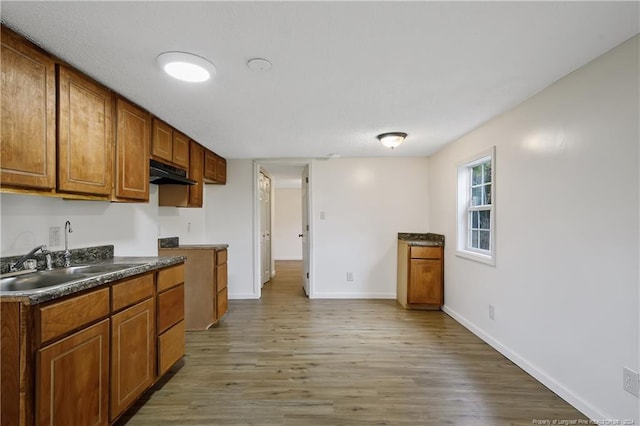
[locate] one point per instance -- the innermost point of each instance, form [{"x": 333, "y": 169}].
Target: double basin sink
[{"x": 44, "y": 279}]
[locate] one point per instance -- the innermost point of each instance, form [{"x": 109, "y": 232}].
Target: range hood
[{"x": 163, "y": 174}]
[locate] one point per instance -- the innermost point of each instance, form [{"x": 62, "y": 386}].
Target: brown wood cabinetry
[
  {"x": 72, "y": 383},
  {"x": 181, "y": 149},
  {"x": 84, "y": 359},
  {"x": 205, "y": 291},
  {"x": 85, "y": 134},
  {"x": 132, "y": 342},
  {"x": 170, "y": 317},
  {"x": 186, "y": 195},
  {"x": 215, "y": 168},
  {"x": 169, "y": 145},
  {"x": 420, "y": 282},
  {"x": 28, "y": 115},
  {"x": 133, "y": 136},
  {"x": 196, "y": 160}
]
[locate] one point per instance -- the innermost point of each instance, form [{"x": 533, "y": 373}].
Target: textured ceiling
[{"x": 342, "y": 71}]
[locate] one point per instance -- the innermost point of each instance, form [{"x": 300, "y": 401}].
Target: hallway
[{"x": 288, "y": 360}]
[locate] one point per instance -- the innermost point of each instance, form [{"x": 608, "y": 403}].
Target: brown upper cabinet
[
  {"x": 195, "y": 173},
  {"x": 28, "y": 116},
  {"x": 215, "y": 168},
  {"x": 186, "y": 195},
  {"x": 133, "y": 136},
  {"x": 169, "y": 145},
  {"x": 85, "y": 134}
]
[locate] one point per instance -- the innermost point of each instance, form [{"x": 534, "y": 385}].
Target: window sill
[{"x": 477, "y": 257}]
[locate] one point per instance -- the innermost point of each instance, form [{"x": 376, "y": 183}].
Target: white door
[
  {"x": 265, "y": 227},
  {"x": 306, "y": 253}
]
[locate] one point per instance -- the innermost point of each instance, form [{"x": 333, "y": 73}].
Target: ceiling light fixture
[
  {"x": 392, "y": 139},
  {"x": 186, "y": 66}
]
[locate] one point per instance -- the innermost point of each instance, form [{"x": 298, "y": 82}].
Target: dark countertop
[
  {"x": 197, "y": 246},
  {"x": 417, "y": 239},
  {"x": 53, "y": 292}
]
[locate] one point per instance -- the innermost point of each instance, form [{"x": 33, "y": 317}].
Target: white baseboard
[
  {"x": 540, "y": 375},
  {"x": 354, "y": 296},
  {"x": 243, "y": 296}
]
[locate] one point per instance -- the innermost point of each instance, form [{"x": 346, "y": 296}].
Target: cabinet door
[
  {"x": 196, "y": 158},
  {"x": 210, "y": 165},
  {"x": 28, "y": 119},
  {"x": 221, "y": 170},
  {"x": 133, "y": 136},
  {"x": 180, "y": 150},
  {"x": 85, "y": 136},
  {"x": 425, "y": 281},
  {"x": 132, "y": 355},
  {"x": 162, "y": 140},
  {"x": 72, "y": 379}
]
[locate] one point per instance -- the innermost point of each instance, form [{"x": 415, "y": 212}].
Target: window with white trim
[{"x": 476, "y": 208}]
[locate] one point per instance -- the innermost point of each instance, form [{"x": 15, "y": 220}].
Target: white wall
[
  {"x": 366, "y": 203},
  {"x": 565, "y": 286},
  {"x": 229, "y": 219},
  {"x": 287, "y": 224},
  {"x": 133, "y": 228}
]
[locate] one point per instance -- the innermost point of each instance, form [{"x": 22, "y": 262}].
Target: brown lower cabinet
[
  {"x": 86, "y": 358},
  {"x": 205, "y": 294},
  {"x": 420, "y": 283}
]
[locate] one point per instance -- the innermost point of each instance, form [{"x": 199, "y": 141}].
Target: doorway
[{"x": 269, "y": 176}]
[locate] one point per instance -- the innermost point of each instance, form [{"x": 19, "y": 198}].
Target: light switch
[{"x": 323, "y": 215}]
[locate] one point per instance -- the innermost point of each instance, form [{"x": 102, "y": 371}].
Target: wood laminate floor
[{"x": 288, "y": 360}]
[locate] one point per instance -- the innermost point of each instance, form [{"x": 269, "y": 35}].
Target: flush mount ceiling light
[
  {"x": 186, "y": 66},
  {"x": 392, "y": 139}
]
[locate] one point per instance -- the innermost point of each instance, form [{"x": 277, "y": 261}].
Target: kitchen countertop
[
  {"x": 425, "y": 240},
  {"x": 46, "y": 294},
  {"x": 174, "y": 243},
  {"x": 198, "y": 246}
]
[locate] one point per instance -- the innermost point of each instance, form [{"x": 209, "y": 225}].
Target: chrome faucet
[
  {"x": 67, "y": 253},
  {"x": 14, "y": 267}
]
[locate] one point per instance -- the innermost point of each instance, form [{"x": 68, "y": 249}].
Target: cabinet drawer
[
  {"x": 221, "y": 257},
  {"x": 170, "y": 347},
  {"x": 131, "y": 291},
  {"x": 59, "y": 318},
  {"x": 221, "y": 277},
  {"x": 170, "y": 307},
  {"x": 221, "y": 302},
  {"x": 426, "y": 252},
  {"x": 170, "y": 277}
]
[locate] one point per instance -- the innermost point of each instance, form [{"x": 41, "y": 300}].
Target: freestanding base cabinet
[{"x": 420, "y": 276}]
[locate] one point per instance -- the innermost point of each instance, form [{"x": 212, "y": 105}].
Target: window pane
[
  {"x": 487, "y": 194},
  {"x": 474, "y": 239},
  {"x": 484, "y": 240},
  {"x": 476, "y": 175},
  {"x": 474, "y": 220},
  {"x": 485, "y": 219},
  {"x": 487, "y": 171},
  {"x": 476, "y": 196}
]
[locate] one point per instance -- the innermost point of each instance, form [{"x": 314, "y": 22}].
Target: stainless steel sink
[
  {"x": 40, "y": 279},
  {"x": 43, "y": 279},
  {"x": 100, "y": 268}
]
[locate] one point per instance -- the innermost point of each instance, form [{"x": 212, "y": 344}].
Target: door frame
[{"x": 257, "y": 267}]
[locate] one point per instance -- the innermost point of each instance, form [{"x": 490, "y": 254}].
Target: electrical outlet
[
  {"x": 491, "y": 312},
  {"x": 630, "y": 381},
  {"x": 54, "y": 236},
  {"x": 349, "y": 276}
]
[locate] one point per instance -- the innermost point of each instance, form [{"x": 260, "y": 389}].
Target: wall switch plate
[
  {"x": 323, "y": 215},
  {"x": 491, "y": 312},
  {"x": 54, "y": 236},
  {"x": 630, "y": 381},
  {"x": 349, "y": 276}
]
